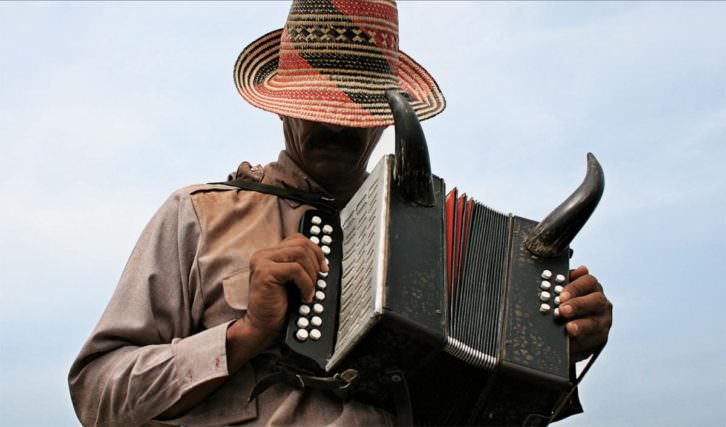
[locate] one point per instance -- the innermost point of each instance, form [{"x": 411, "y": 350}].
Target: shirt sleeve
[{"x": 147, "y": 350}]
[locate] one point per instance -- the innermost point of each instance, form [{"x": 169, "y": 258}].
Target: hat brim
[{"x": 353, "y": 99}]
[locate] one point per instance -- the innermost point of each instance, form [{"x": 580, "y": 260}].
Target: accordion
[{"x": 453, "y": 298}]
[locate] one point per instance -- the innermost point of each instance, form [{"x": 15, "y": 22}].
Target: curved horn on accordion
[
  {"x": 553, "y": 235},
  {"x": 412, "y": 169}
]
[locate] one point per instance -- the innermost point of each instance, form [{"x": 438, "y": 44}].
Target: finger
[
  {"x": 594, "y": 325},
  {"x": 296, "y": 273},
  {"x": 299, "y": 253},
  {"x": 583, "y": 285},
  {"x": 594, "y": 303},
  {"x": 314, "y": 255},
  {"x": 319, "y": 257},
  {"x": 578, "y": 272}
]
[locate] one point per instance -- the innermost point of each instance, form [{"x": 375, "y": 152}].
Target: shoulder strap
[{"x": 319, "y": 200}]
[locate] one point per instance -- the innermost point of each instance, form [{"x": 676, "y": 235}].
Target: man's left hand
[{"x": 588, "y": 311}]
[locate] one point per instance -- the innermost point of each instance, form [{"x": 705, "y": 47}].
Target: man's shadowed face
[{"x": 330, "y": 154}]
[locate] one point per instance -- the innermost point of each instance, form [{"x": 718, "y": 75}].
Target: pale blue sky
[{"x": 106, "y": 108}]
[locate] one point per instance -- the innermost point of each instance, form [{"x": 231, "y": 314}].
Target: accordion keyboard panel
[{"x": 311, "y": 328}]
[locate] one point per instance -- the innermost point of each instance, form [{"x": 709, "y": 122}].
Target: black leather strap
[
  {"x": 401, "y": 397},
  {"x": 294, "y": 378},
  {"x": 319, "y": 200}
]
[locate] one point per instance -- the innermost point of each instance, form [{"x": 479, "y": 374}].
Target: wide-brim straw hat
[{"x": 332, "y": 63}]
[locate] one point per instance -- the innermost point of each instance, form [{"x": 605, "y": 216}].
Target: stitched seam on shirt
[{"x": 203, "y": 238}]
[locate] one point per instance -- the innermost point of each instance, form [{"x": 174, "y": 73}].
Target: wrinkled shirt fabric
[{"x": 164, "y": 331}]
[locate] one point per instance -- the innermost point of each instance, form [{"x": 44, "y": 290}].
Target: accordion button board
[{"x": 312, "y": 327}]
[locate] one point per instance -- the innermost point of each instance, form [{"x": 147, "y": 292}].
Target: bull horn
[
  {"x": 553, "y": 235},
  {"x": 412, "y": 169}
]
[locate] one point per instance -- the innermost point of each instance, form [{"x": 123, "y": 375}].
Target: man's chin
[{"x": 333, "y": 172}]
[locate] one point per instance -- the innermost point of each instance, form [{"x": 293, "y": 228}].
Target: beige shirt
[{"x": 164, "y": 330}]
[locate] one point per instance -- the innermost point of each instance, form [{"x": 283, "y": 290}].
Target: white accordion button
[
  {"x": 558, "y": 289},
  {"x": 325, "y": 249},
  {"x": 301, "y": 334},
  {"x": 318, "y": 308},
  {"x": 320, "y": 295},
  {"x": 327, "y": 261},
  {"x": 544, "y": 308},
  {"x": 326, "y": 240},
  {"x": 557, "y": 312},
  {"x": 322, "y": 274},
  {"x": 327, "y": 229},
  {"x": 546, "y": 274},
  {"x": 557, "y": 300},
  {"x": 544, "y": 296},
  {"x": 314, "y": 229},
  {"x": 316, "y": 321},
  {"x": 315, "y": 240},
  {"x": 560, "y": 279},
  {"x": 322, "y": 284},
  {"x": 302, "y": 322},
  {"x": 316, "y": 220},
  {"x": 304, "y": 310},
  {"x": 315, "y": 334},
  {"x": 545, "y": 285}
]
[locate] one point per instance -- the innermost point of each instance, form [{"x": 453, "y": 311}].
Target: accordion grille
[
  {"x": 475, "y": 301},
  {"x": 363, "y": 221}
]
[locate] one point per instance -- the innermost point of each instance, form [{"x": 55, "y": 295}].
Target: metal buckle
[{"x": 346, "y": 377}]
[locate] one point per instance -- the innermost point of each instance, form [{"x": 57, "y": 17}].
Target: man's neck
[
  {"x": 341, "y": 184},
  {"x": 342, "y": 190}
]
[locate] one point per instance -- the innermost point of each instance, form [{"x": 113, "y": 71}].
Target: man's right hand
[{"x": 294, "y": 260}]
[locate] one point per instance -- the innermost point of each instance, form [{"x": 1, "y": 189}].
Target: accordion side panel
[
  {"x": 391, "y": 344},
  {"x": 364, "y": 222},
  {"x": 535, "y": 342},
  {"x": 392, "y": 295},
  {"x": 415, "y": 287}
]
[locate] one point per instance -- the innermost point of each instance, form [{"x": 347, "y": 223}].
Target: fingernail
[
  {"x": 564, "y": 296},
  {"x": 573, "y": 328},
  {"x": 565, "y": 309}
]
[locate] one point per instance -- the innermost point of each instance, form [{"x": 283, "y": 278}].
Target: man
[{"x": 203, "y": 293}]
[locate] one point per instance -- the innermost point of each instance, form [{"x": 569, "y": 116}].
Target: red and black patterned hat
[{"x": 333, "y": 62}]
